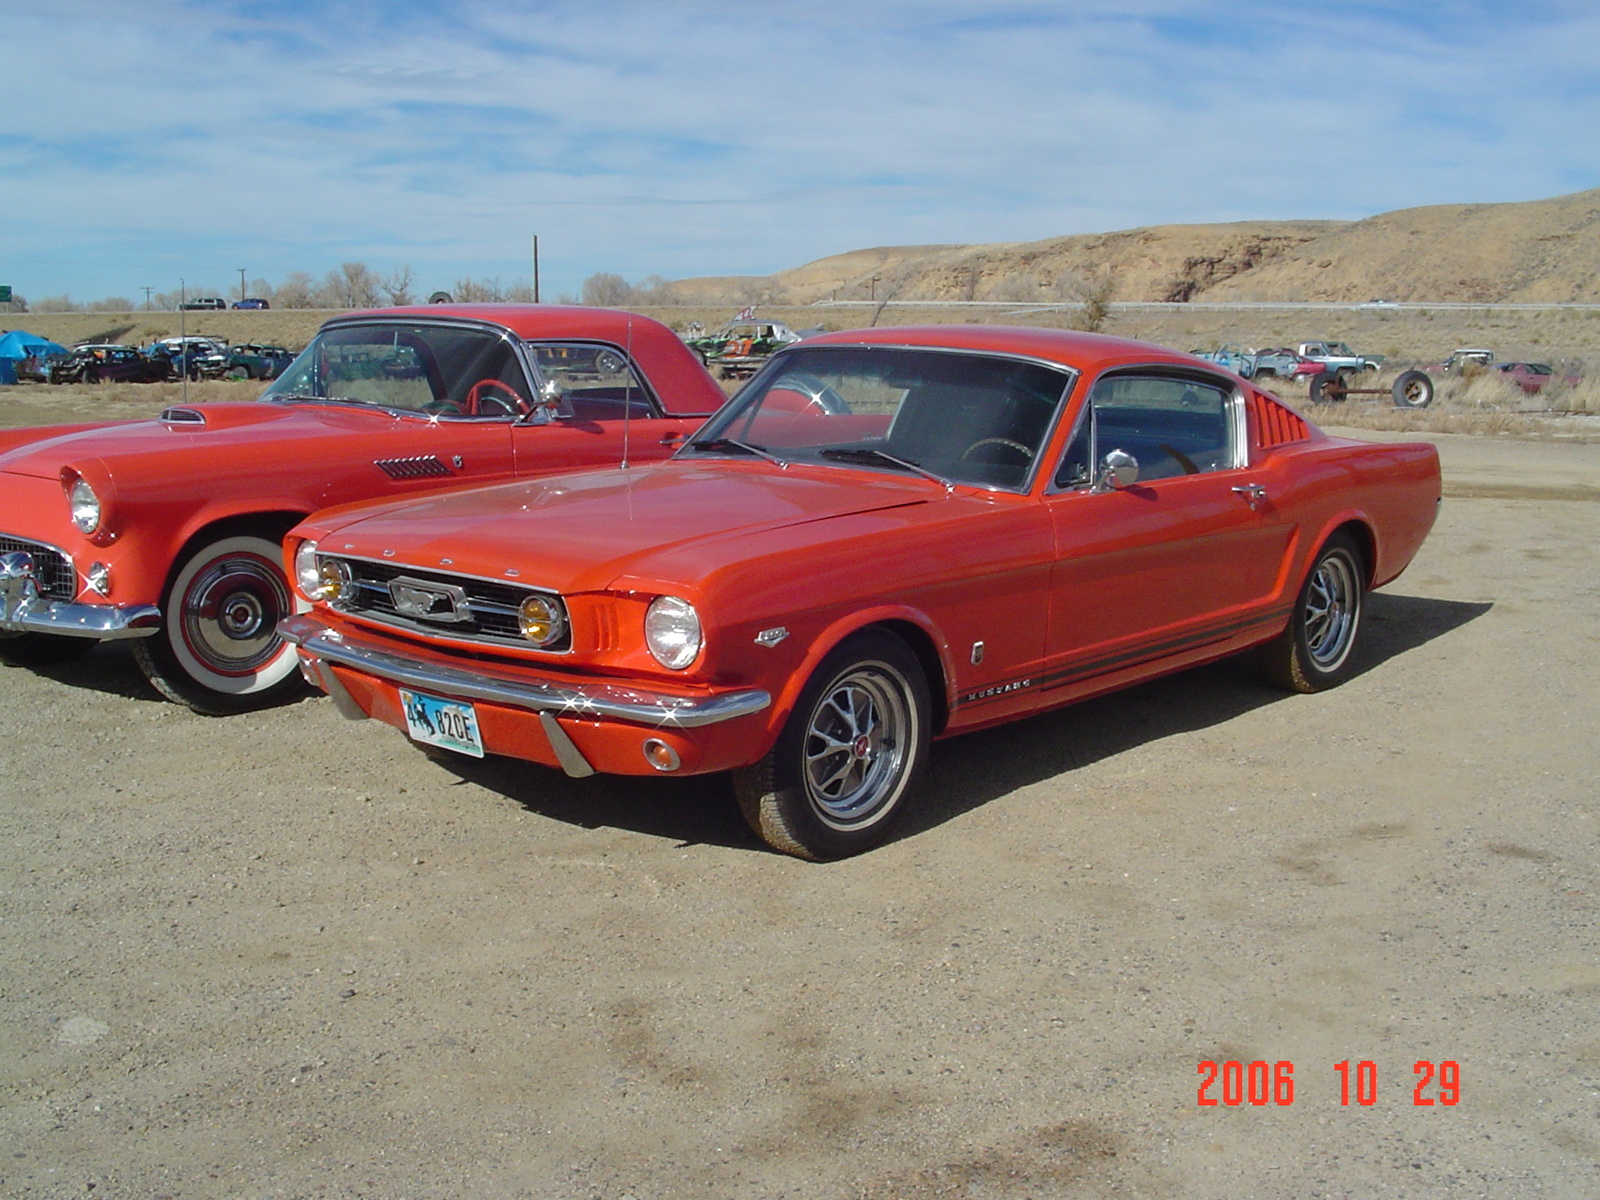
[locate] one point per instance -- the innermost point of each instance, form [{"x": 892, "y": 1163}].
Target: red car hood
[{"x": 581, "y": 532}]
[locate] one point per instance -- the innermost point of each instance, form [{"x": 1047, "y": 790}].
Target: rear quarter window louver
[{"x": 1274, "y": 424}]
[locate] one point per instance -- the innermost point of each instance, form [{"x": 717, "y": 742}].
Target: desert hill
[{"x": 1544, "y": 251}]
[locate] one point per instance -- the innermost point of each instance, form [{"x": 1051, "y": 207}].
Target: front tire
[
  {"x": 1316, "y": 651},
  {"x": 218, "y": 649},
  {"x": 848, "y": 757}
]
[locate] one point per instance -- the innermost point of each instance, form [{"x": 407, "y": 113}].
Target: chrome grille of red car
[
  {"x": 423, "y": 466},
  {"x": 491, "y": 607},
  {"x": 53, "y": 569}
]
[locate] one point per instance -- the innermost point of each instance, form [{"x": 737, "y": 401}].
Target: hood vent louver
[
  {"x": 422, "y": 466},
  {"x": 187, "y": 417}
]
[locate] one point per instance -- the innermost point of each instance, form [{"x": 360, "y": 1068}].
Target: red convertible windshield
[
  {"x": 958, "y": 416},
  {"x": 450, "y": 370}
]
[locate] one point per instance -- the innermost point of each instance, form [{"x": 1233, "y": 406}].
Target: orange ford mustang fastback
[
  {"x": 888, "y": 536},
  {"x": 169, "y": 531}
]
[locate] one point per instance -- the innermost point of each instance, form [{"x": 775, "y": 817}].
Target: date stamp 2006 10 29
[{"x": 1262, "y": 1083}]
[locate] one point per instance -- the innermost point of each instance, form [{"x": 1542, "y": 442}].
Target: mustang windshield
[
  {"x": 953, "y": 416},
  {"x": 444, "y": 369}
]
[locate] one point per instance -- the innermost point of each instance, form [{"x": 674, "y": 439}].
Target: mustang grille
[
  {"x": 490, "y": 613},
  {"x": 1276, "y": 425},
  {"x": 53, "y": 569},
  {"x": 423, "y": 466}
]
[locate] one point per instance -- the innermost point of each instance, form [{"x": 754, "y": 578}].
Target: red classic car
[
  {"x": 169, "y": 531},
  {"x": 888, "y": 536}
]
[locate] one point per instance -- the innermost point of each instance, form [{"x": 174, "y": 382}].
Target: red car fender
[{"x": 833, "y": 635}]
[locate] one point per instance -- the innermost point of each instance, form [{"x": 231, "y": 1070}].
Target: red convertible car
[
  {"x": 888, "y": 536},
  {"x": 169, "y": 531}
]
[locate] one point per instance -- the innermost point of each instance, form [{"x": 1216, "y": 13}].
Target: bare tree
[
  {"x": 605, "y": 290},
  {"x": 886, "y": 289},
  {"x": 1092, "y": 289},
  {"x": 296, "y": 291},
  {"x": 355, "y": 285},
  {"x": 473, "y": 291},
  {"x": 397, "y": 285}
]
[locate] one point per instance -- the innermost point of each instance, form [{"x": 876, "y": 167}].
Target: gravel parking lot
[{"x": 284, "y": 955}]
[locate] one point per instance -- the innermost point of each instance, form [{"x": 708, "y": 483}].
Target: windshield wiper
[
  {"x": 867, "y": 454},
  {"x": 730, "y": 444}
]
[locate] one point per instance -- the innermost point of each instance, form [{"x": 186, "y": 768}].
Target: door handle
[{"x": 1254, "y": 493}]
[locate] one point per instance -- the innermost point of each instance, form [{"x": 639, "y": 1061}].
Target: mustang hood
[{"x": 580, "y": 532}]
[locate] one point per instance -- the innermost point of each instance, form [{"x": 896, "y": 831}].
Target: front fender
[{"x": 786, "y": 692}]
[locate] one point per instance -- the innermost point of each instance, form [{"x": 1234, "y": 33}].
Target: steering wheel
[
  {"x": 1027, "y": 454},
  {"x": 475, "y": 398}
]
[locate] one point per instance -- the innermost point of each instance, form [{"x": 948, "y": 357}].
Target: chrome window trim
[{"x": 1233, "y": 409}]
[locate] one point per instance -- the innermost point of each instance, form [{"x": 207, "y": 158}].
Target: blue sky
[{"x": 144, "y": 141}]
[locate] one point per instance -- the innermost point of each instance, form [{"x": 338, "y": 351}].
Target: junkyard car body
[
  {"x": 1534, "y": 377},
  {"x": 106, "y": 363},
  {"x": 168, "y": 531},
  {"x": 739, "y": 348},
  {"x": 246, "y": 360},
  {"x": 887, "y": 535}
]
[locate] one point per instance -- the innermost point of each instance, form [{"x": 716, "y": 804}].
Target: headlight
[
  {"x": 85, "y": 505},
  {"x": 672, "y": 631},
  {"x": 320, "y": 578},
  {"x": 541, "y": 620},
  {"x": 306, "y": 577},
  {"x": 333, "y": 581}
]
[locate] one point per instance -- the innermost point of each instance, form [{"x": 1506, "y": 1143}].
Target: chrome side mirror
[
  {"x": 1118, "y": 469},
  {"x": 546, "y": 403}
]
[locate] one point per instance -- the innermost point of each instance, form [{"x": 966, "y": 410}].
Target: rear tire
[
  {"x": 218, "y": 650},
  {"x": 1316, "y": 651},
  {"x": 849, "y": 756}
]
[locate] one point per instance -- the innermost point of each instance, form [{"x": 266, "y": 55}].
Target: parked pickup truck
[{"x": 1335, "y": 358}]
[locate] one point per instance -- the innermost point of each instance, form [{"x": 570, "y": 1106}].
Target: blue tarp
[
  {"x": 21, "y": 344},
  {"x": 18, "y": 345}
]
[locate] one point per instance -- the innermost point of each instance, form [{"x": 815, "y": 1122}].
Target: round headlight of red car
[
  {"x": 672, "y": 631},
  {"x": 85, "y": 505}
]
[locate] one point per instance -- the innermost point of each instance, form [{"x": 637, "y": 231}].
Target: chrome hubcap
[
  {"x": 1332, "y": 606},
  {"x": 855, "y": 747},
  {"x": 230, "y": 614}
]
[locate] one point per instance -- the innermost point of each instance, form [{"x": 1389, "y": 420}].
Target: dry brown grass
[
  {"x": 1485, "y": 405},
  {"x": 31, "y": 404}
]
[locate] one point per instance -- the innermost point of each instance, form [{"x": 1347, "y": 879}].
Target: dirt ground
[{"x": 284, "y": 955}]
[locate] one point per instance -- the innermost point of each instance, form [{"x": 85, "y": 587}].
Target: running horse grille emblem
[{"x": 424, "y": 600}]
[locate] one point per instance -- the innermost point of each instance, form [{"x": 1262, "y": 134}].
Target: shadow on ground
[{"x": 969, "y": 771}]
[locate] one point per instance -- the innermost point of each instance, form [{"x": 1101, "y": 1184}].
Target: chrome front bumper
[
  {"x": 24, "y": 610},
  {"x": 320, "y": 645}
]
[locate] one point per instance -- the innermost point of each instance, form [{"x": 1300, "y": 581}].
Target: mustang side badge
[{"x": 771, "y": 637}]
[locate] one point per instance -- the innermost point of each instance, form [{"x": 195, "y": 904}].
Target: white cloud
[{"x": 694, "y": 138}]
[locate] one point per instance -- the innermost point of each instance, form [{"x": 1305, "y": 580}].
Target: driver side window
[{"x": 1172, "y": 425}]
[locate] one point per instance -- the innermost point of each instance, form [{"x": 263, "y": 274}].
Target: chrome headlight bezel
[
  {"x": 542, "y": 619},
  {"x": 84, "y": 504},
  {"x": 307, "y": 577},
  {"x": 672, "y": 632}
]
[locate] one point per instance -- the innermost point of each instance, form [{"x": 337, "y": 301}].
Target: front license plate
[{"x": 445, "y": 723}]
